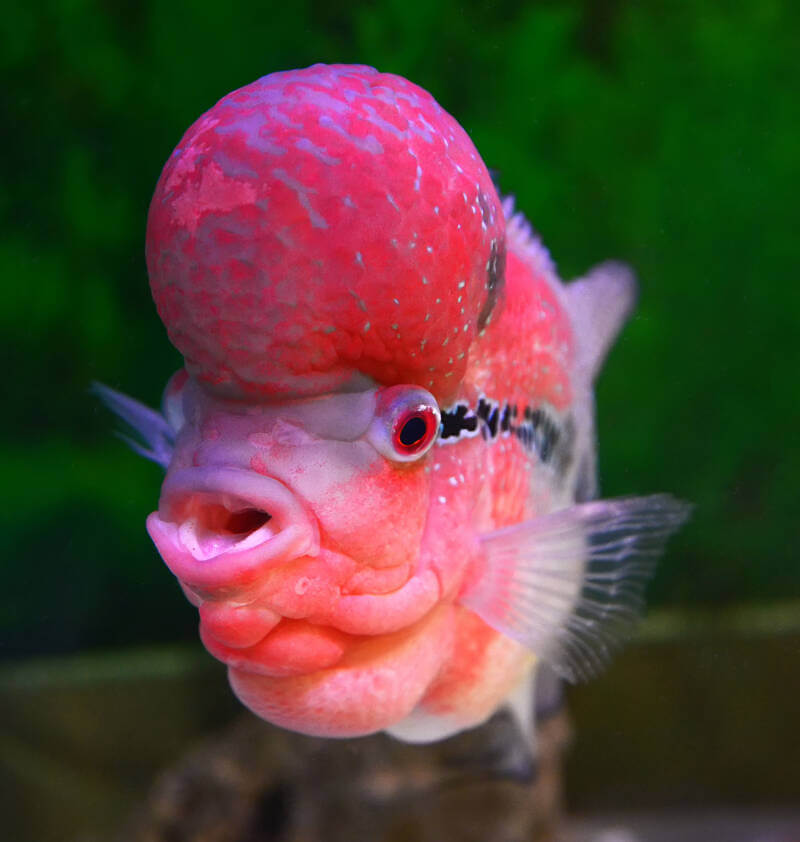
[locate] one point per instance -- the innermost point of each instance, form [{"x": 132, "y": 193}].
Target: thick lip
[{"x": 230, "y": 565}]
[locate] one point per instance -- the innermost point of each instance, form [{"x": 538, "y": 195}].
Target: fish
[{"x": 381, "y": 481}]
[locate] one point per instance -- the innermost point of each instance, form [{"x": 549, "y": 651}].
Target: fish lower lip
[
  {"x": 218, "y": 528},
  {"x": 297, "y": 647}
]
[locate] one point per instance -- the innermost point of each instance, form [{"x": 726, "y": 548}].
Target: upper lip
[{"x": 225, "y": 555}]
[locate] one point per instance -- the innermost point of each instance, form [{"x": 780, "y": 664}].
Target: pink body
[{"x": 326, "y": 246}]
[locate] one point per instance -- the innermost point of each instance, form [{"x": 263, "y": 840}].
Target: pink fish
[{"x": 380, "y": 456}]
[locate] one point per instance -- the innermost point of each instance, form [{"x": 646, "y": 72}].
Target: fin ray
[
  {"x": 151, "y": 426},
  {"x": 599, "y": 304},
  {"x": 570, "y": 585}
]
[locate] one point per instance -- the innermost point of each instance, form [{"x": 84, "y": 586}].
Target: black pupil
[{"x": 413, "y": 431}]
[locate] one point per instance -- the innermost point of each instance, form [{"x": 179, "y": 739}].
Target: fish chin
[{"x": 376, "y": 683}]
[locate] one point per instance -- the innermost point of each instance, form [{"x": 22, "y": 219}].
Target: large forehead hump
[{"x": 321, "y": 223}]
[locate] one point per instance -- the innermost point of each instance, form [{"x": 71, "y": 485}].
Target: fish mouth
[{"x": 220, "y": 529}]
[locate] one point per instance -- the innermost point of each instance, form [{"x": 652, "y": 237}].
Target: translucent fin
[
  {"x": 158, "y": 436},
  {"x": 569, "y": 585},
  {"x": 521, "y": 704},
  {"x": 599, "y": 305},
  {"x": 523, "y": 241}
]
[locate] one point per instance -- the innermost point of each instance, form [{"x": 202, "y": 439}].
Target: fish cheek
[
  {"x": 377, "y": 517},
  {"x": 367, "y": 507}
]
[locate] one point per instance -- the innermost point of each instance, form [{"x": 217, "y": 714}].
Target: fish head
[
  {"x": 299, "y": 530},
  {"x": 324, "y": 247}
]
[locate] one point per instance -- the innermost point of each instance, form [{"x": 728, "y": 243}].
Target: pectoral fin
[{"x": 569, "y": 585}]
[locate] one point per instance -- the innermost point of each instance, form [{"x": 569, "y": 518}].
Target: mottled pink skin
[
  {"x": 288, "y": 247},
  {"x": 299, "y": 208}
]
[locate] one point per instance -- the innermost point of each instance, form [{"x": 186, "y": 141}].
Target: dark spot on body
[{"x": 495, "y": 280}]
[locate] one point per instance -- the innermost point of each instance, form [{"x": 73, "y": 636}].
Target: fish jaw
[{"x": 375, "y": 685}]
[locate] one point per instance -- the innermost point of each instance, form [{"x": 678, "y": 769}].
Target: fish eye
[{"x": 406, "y": 423}]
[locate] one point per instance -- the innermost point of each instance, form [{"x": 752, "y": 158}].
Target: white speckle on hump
[
  {"x": 366, "y": 326},
  {"x": 317, "y": 220},
  {"x": 306, "y": 145},
  {"x": 429, "y": 249},
  {"x": 360, "y": 301},
  {"x": 360, "y": 260},
  {"x": 428, "y": 126},
  {"x": 384, "y": 124},
  {"x": 443, "y": 499},
  {"x": 369, "y": 143},
  {"x": 392, "y": 202}
]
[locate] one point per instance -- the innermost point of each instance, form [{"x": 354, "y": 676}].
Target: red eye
[
  {"x": 415, "y": 430},
  {"x": 405, "y": 424}
]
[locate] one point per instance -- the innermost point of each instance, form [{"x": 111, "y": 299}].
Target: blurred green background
[{"x": 664, "y": 134}]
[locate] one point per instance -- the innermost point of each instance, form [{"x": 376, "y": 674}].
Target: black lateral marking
[
  {"x": 539, "y": 430},
  {"x": 457, "y": 421},
  {"x": 505, "y": 419}
]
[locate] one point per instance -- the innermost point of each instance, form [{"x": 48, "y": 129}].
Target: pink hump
[{"x": 324, "y": 223}]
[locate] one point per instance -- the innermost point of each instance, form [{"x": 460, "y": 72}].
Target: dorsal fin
[
  {"x": 599, "y": 304},
  {"x": 522, "y": 240}
]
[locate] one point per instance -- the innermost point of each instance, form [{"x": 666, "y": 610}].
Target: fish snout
[{"x": 221, "y": 531}]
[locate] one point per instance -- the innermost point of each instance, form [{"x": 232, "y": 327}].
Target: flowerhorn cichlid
[{"x": 380, "y": 454}]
